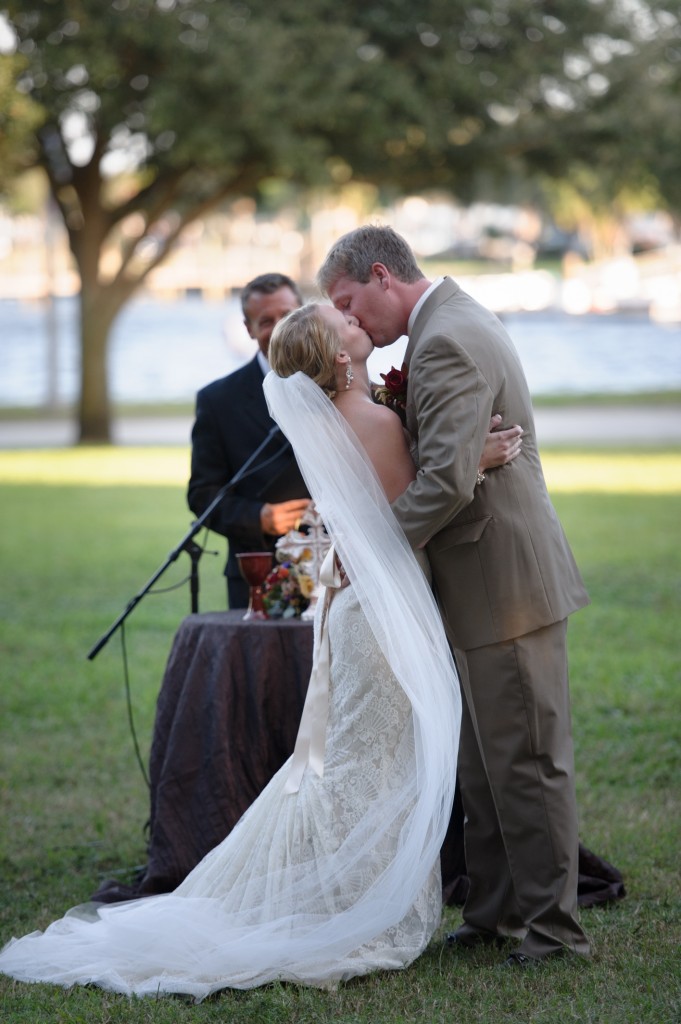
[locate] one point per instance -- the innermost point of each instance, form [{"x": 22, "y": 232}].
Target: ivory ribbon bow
[{"x": 311, "y": 738}]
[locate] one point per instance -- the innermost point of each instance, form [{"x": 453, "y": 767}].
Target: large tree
[{"x": 155, "y": 111}]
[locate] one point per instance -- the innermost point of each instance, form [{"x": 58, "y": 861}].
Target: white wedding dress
[{"x": 335, "y": 873}]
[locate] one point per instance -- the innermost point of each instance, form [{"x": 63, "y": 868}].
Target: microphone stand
[{"x": 189, "y": 545}]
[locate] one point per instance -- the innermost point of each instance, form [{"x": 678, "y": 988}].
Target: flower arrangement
[
  {"x": 393, "y": 391},
  {"x": 286, "y": 591}
]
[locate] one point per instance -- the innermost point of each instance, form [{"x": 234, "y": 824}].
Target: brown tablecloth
[{"x": 226, "y": 720}]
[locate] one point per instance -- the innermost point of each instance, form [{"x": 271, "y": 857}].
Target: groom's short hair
[{"x": 354, "y": 254}]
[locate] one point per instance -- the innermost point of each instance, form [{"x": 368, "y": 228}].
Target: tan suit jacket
[
  {"x": 506, "y": 581},
  {"x": 501, "y": 564}
]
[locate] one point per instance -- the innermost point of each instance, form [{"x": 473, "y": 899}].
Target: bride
[{"x": 333, "y": 872}]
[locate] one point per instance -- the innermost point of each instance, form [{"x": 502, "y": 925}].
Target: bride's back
[{"x": 381, "y": 433}]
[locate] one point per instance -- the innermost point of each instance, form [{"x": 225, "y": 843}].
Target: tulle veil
[{"x": 398, "y": 603}]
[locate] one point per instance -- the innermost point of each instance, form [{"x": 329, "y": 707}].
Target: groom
[{"x": 505, "y": 580}]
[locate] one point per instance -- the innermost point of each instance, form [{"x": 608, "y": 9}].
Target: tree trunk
[{"x": 94, "y": 412}]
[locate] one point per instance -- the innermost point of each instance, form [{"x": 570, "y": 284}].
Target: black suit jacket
[{"x": 231, "y": 421}]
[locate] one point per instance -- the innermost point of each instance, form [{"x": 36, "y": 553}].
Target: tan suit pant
[{"x": 516, "y": 771}]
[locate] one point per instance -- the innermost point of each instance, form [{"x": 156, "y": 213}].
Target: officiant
[{"x": 231, "y": 421}]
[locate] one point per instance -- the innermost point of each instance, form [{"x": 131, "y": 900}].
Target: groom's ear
[{"x": 382, "y": 274}]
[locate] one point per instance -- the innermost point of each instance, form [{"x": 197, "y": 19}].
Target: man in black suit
[{"x": 231, "y": 421}]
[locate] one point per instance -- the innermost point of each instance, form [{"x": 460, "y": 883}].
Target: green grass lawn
[{"x": 84, "y": 530}]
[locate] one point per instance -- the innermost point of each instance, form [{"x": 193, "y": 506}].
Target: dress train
[{"x": 251, "y": 912}]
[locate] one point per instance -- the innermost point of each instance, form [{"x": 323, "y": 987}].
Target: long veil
[
  {"x": 251, "y": 912},
  {"x": 399, "y": 606}
]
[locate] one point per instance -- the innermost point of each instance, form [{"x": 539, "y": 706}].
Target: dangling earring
[{"x": 349, "y": 375}]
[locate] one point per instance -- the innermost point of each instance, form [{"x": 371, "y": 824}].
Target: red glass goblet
[{"x": 254, "y": 567}]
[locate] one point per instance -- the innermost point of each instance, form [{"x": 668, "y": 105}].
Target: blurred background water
[{"x": 163, "y": 351}]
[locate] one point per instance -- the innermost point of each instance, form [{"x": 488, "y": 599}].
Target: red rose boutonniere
[{"x": 393, "y": 391}]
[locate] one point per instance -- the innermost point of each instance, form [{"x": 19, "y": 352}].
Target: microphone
[
  {"x": 286, "y": 444},
  {"x": 187, "y": 544},
  {"x": 251, "y": 466}
]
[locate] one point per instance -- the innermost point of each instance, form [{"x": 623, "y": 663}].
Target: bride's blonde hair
[{"x": 303, "y": 340}]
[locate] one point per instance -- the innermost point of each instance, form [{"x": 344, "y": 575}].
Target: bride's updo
[{"x": 303, "y": 340}]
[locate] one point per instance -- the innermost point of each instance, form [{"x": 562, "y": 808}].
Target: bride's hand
[{"x": 501, "y": 446}]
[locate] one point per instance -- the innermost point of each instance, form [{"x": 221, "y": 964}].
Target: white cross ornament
[{"x": 306, "y": 549}]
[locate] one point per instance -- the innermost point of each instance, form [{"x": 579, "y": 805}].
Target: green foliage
[
  {"x": 628, "y": 146},
  {"x": 74, "y": 803},
  {"x": 147, "y": 113},
  {"x": 20, "y": 118}
]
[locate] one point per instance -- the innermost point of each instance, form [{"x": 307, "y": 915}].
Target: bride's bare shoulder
[
  {"x": 380, "y": 431},
  {"x": 372, "y": 421}
]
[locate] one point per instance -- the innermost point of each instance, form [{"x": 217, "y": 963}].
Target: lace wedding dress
[{"x": 333, "y": 872}]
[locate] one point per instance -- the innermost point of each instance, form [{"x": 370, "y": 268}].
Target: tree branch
[
  {"x": 167, "y": 187},
  {"x": 190, "y": 215},
  {"x": 235, "y": 187}
]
